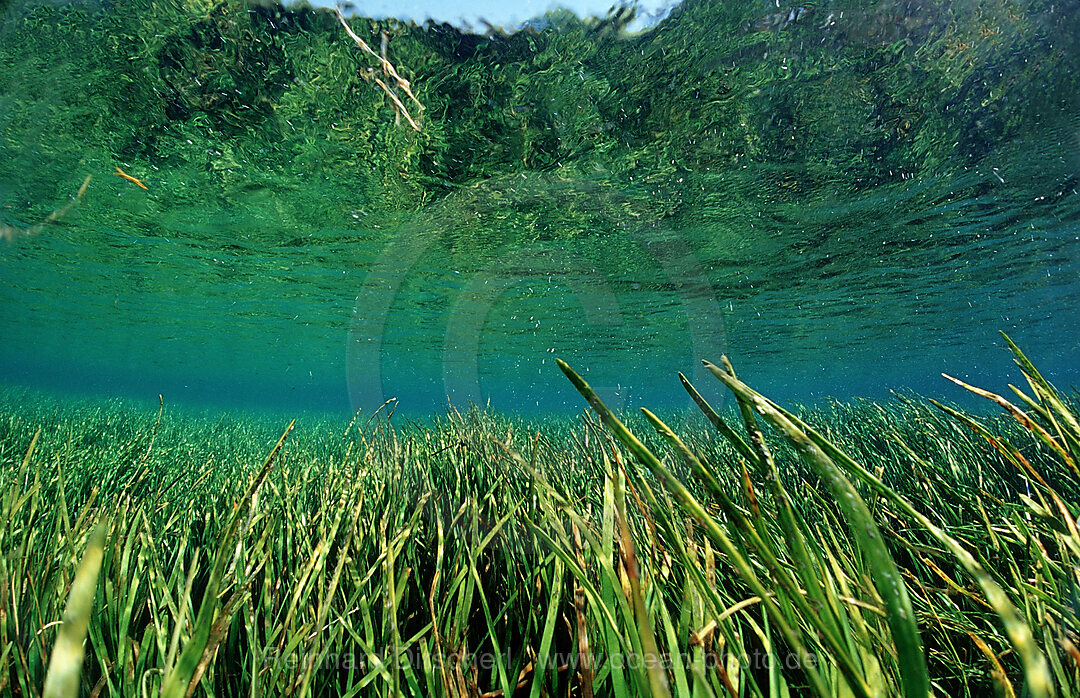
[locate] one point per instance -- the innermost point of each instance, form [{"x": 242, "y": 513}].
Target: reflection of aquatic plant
[
  {"x": 889, "y": 88},
  {"x": 534, "y": 206},
  {"x": 221, "y": 67}
]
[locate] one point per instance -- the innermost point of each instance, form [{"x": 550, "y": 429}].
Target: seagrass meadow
[
  {"x": 859, "y": 549},
  {"x": 383, "y": 357}
]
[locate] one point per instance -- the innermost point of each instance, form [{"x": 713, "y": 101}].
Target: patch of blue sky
[{"x": 479, "y": 15}]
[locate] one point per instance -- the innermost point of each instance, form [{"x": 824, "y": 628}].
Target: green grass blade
[
  {"x": 695, "y": 509},
  {"x": 65, "y": 664},
  {"x": 178, "y": 680},
  {"x": 901, "y": 616}
]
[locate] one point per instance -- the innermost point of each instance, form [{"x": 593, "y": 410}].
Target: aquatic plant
[
  {"x": 888, "y": 549},
  {"x": 806, "y": 579}
]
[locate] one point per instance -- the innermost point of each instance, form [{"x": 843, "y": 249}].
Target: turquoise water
[{"x": 280, "y": 291}]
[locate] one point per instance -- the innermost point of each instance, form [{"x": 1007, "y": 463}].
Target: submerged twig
[
  {"x": 9, "y": 233},
  {"x": 390, "y": 71}
]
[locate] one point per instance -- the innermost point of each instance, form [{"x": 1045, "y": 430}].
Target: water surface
[{"x": 832, "y": 243}]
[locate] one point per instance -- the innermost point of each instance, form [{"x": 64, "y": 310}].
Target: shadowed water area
[{"x": 845, "y": 198}]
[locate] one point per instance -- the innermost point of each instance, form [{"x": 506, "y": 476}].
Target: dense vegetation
[{"x": 885, "y": 549}]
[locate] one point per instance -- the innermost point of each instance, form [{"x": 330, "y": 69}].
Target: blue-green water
[{"x": 815, "y": 286}]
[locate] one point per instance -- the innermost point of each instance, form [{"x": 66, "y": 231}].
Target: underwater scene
[{"x": 711, "y": 349}]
